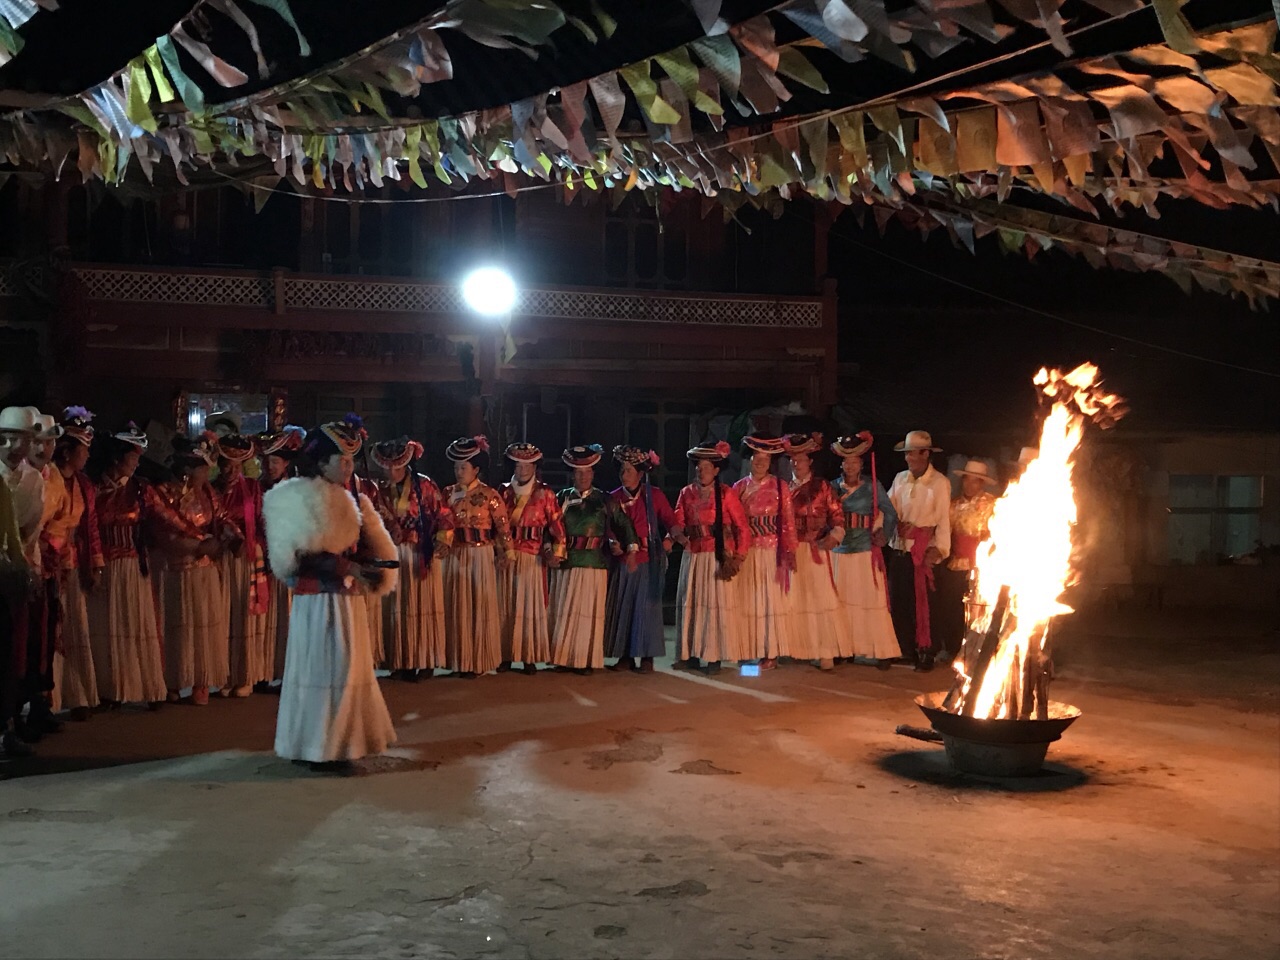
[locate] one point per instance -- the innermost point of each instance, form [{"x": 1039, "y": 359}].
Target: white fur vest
[{"x": 310, "y": 515}]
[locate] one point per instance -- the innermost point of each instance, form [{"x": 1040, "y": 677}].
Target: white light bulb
[{"x": 489, "y": 291}]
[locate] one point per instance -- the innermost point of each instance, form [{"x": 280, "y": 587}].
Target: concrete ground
[{"x": 675, "y": 816}]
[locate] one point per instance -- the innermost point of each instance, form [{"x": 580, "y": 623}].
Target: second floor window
[{"x": 643, "y": 249}]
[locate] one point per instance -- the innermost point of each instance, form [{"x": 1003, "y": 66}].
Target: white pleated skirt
[
  {"x": 125, "y": 636},
  {"x": 413, "y": 615},
  {"x": 473, "y": 633},
  {"x": 371, "y": 607},
  {"x": 864, "y": 627},
  {"x": 522, "y": 600},
  {"x": 281, "y": 599},
  {"x": 196, "y": 653},
  {"x": 75, "y": 680},
  {"x": 708, "y": 625},
  {"x": 763, "y": 605},
  {"x": 577, "y": 617},
  {"x": 815, "y": 607},
  {"x": 251, "y": 650},
  {"x": 330, "y": 704}
]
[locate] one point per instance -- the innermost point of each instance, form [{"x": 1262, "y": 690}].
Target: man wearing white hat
[
  {"x": 970, "y": 514},
  {"x": 922, "y": 498}
]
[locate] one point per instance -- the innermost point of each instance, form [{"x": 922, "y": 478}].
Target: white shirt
[
  {"x": 923, "y": 501},
  {"x": 27, "y": 486}
]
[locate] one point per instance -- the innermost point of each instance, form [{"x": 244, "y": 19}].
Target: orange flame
[{"x": 1030, "y": 544}]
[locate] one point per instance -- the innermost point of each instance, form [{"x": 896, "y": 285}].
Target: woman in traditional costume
[
  {"x": 72, "y": 540},
  {"x": 537, "y": 529},
  {"x": 712, "y": 527},
  {"x": 864, "y": 624},
  {"x": 479, "y": 536},
  {"x": 363, "y": 485},
  {"x": 596, "y": 527},
  {"x": 815, "y": 604},
  {"x": 633, "y": 609},
  {"x": 124, "y": 631},
  {"x": 244, "y": 570},
  {"x": 329, "y": 547},
  {"x": 413, "y": 510},
  {"x": 277, "y": 450},
  {"x": 766, "y": 576},
  {"x": 188, "y": 526}
]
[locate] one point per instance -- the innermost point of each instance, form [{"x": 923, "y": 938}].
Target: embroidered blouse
[
  {"x": 181, "y": 512},
  {"x": 537, "y": 523},
  {"x": 856, "y": 506},
  {"x": 121, "y": 507},
  {"x": 479, "y": 517},
  {"x": 591, "y": 519},
  {"x": 770, "y": 518},
  {"x": 70, "y": 536},
  {"x": 696, "y": 517},
  {"x": 969, "y": 519},
  {"x": 816, "y": 508}
]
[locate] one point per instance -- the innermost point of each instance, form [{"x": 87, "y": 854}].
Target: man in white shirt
[{"x": 922, "y": 497}]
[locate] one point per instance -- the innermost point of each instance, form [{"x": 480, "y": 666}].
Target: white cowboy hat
[
  {"x": 46, "y": 427},
  {"x": 917, "y": 440},
  {"x": 19, "y": 420},
  {"x": 976, "y": 468}
]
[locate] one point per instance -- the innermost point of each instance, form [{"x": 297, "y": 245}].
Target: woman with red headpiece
[
  {"x": 815, "y": 604},
  {"x": 122, "y": 611},
  {"x": 865, "y": 628},
  {"x": 712, "y": 527},
  {"x": 766, "y": 575},
  {"x": 244, "y": 569},
  {"x": 278, "y": 451},
  {"x": 480, "y": 534},
  {"x": 413, "y": 509}
]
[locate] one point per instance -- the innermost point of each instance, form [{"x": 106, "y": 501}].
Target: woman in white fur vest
[{"x": 328, "y": 548}]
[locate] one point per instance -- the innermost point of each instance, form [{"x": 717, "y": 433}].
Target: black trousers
[
  {"x": 948, "y": 623},
  {"x": 8, "y": 671},
  {"x": 902, "y": 602}
]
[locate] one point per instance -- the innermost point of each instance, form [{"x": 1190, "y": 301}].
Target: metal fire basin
[{"x": 996, "y": 748}]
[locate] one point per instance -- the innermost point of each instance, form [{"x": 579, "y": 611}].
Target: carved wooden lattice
[{"x": 144, "y": 286}]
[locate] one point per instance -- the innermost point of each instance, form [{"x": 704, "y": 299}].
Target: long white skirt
[
  {"x": 522, "y": 601},
  {"x": 413, "y": 615},
  {"x": 815, "y": 607},
  {"x": 75, "y": 682},
  {"x": 763, "y": 604},
  {"x": 195, "y": 628},
  {"x": 252, "y": 643},
  {"x": 330, "y": 704},
  {"x": 708, "y": 625},
  {"x": 372, "y": 610},
  {"x": 281, "y": 600},
  {"x": 125, "y": 636},
  {"x": 577, "y": 617},
  {"x": 864, "y": 627},
  {"x": 473, "y": 634}
]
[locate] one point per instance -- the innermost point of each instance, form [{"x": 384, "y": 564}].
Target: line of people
[{"x": 119, "y": 590}]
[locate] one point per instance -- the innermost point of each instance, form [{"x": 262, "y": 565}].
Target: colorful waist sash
[
  {"x": 585, "y": 543},
  {"x": 857, "y": 521},
  {"x": 766, "y": 526},
  {"x": 473, "y": 536},
  {"x": 529, "y": 533}
]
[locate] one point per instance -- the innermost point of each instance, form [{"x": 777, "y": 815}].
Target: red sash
[{"x": 920, "y": 537}]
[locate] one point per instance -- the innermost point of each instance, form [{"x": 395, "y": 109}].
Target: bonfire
[{"x": 1024, "y": 567}]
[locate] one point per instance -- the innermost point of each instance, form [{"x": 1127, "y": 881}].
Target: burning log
[{"x": 990, "y": 644}]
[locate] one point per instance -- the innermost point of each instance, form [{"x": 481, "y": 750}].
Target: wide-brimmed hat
[
  {"x": 917, "y": 440},
  {"x": 222, "y": 418},
  {"x": 47, "y": 428},
  {"x": 522, "y": 453},
  {"x": 717, "y": 453},
  {"x": 467, "y": 448},
  {"x": 77, "y": 424},
  {"x": 235, "y": 447},
  {"x": 643, "y": 460},
  {"x": 976, "y": 468},
  {"x": 587, "y": 455},
  {"x": 192, "y": 452},
  {"x": 397, "y": 453},
  {"x": 341, "y": 437},
  {"x": 754, "y": 443},
  {"x": 19, "y": 419},
  {"x": 854, "y": 446},
  {"x": 132, "y": 437},
  {"x": 281, "y": 443},
  {"x": 809, "y": 443}
]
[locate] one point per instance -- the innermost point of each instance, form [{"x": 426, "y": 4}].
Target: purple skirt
[{"x": 633, "y": 616}]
